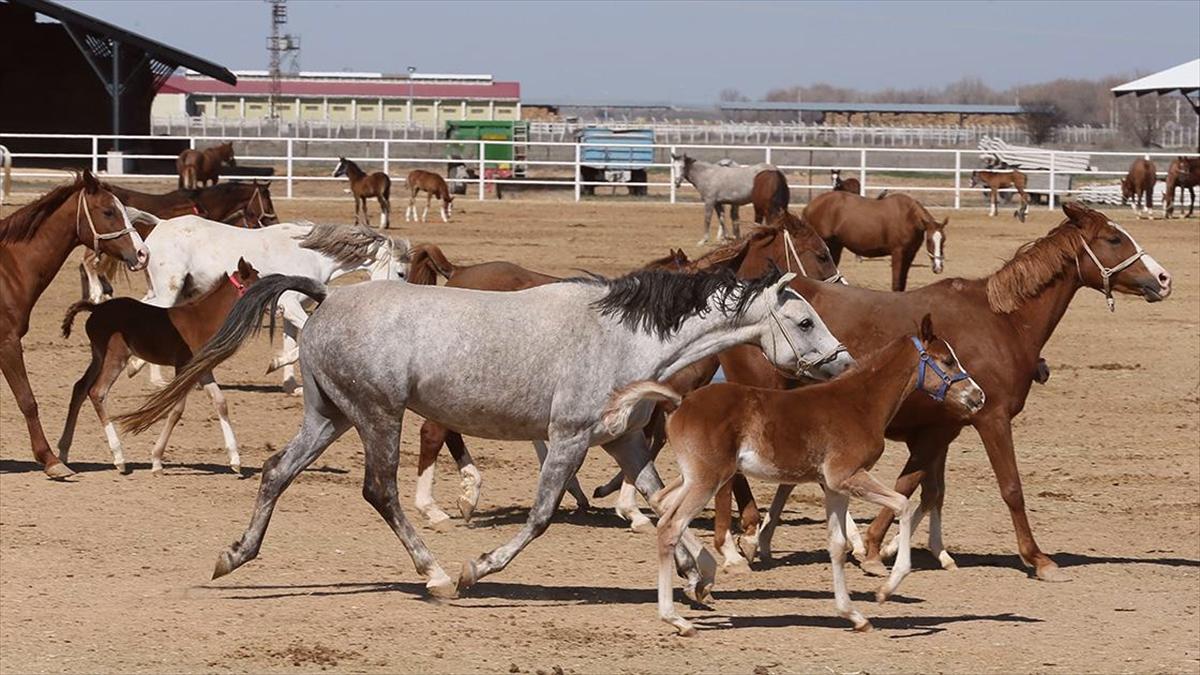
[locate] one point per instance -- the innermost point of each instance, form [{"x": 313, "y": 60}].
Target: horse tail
[
  {"x": 189, "y": 174},
  {"x": 69, "y": 318},
  {"x": 426, "y": 262},
  {"x": 780, "y": 197},
  {"x": 244, "y": 320},
  {"x": 615, "y": 418}
]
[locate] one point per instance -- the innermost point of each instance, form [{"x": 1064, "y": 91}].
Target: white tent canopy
[{"x": 1184, "y": 78}]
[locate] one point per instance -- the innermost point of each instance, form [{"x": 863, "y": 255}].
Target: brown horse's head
[
  {"x": 935, "y": 243},
  {"x": 340, "y": 169},
  {"x": 1108, "y": 258},
  {"x": 676, "y": 260},
  {"x": 225, "y": 152},
  {"x": 245, "y": 275},
  {"x": 1126, "y": 190},
  {"x": 975, "y": 181},
  {"x": 102, "y": 224},
  {"x": 260, "y": 210},
  {"x": 940, "y": 374},
  {"x": 815, "y": 262}
]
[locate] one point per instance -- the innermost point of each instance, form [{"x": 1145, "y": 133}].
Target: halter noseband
[
  {"x": 804, "y": 366},
  {"x": 81, "y": 206},
  {"x": 239, "y": 285},
  {"x": 927, "y": 361},
  {"x": 791, "y": 254},
  {"x": 1107, "y": 273}
]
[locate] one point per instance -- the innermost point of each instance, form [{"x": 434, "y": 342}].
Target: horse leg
[
  {"x": 721, "y": 236},
  {"x": 78, "y": 393},
  {"x": 564, "y": 459},
  {"x": 748, "y": 515},
  {"x": 433, "y": 436},
  {"x": 12, "y": 362},
  {"x": 1024, "y": 204},
  {"x": 218, "y": 399},
  {"x": 322, "y": 425},
  {"x": 933, "y": 446},
  {"x": 471, "y": 480},
  {"x": 1192, "y": 200},
  {"x": 735, "y": 223},
  {"x": 836, "y": 515},
  {"x": 681, "y": 502},
  {"x": 901, "y": 263},
  {"x": 835, "y": 250},
  {"x": 767, "y": 533},
  {"x": 425, "y": 213},
  {"x": 911, "y": 476},
  {"x": 412, "y": 206},
  {"x": 110, "y": 370},
  {"x": 627, "y": 508},
  {"x": 294, "y": 318},
  {"x": 708, "y": 211},
  {"x": 445, "y": 213},
  {"x": 94, "y": 290},
  {"x": 734, "y": 562},
  {"x": 385, "y": 208},
  {"x": 576, "y": 492}
]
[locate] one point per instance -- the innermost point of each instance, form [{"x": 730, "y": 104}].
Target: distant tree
[
  {"x": 1142, "y": 121},
  {"x": 731, "y": 95},
  {"x": 1039, "y": 119}
]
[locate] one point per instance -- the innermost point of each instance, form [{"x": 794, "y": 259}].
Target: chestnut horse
[
  {"x": 830, "y": 433},
  {"x": 167, "y": 336},
  {"x": 850, "y": 185},
  {"x": 894, "y": 225},
  {"x": 1138, "y": 185},
  {"x": 1184, "y": 172},
  {"x": 995, "y": 181},
  {"x": 34, "y": 243},
  {"x": 1000, "y": 324},
  {"x": 769, "y": 195},
  {"x": 198, "y": 168},
  {"x": 363, "y": 185},
  {"x": 434, "y": 186}
]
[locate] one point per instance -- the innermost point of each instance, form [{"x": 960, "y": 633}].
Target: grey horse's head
[
  {"x": 796, "y": 340},
  {"x": 679, "y": 167}
]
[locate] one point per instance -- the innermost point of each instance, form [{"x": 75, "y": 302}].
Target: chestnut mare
[
  {"x": 198, "y": 168},
  {"x": 850, "y": 185},
  {"x": 363, "y": 185},
  {"x": 1184, "y": 172},
  {"x": 1138, "y": 185},
  {"x": 434, "y": 186},
  {"x": 1002, "y": 180},
  {"x": 1000, "y": 324},
  {"x": 167, "y": 336},
  {"x": 830, "y": 433},
  {"x": 769, "y": 195},
  {"x": 34, "y": 243},
  {"x": 894, "y": 225}
]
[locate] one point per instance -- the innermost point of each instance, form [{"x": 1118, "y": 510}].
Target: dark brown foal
[
  {"x": 995, "y": 181},
  {"x": 123, "y": 327},
  {"x": 364, "y": 185}
]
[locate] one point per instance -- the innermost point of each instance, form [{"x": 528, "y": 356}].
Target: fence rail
[{"x": 303, "y": 165}]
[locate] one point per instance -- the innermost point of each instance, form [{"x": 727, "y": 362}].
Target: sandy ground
[{"x": 110, "y": 573}]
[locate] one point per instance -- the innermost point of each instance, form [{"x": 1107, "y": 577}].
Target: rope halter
[
  {"x": 81, "y": 208},
  {"x": 791, "y": 254},
  {"x": 928, "y": 362},
  {"x": 805, "y": 366},
  {"x": 1107, "y": 273}
]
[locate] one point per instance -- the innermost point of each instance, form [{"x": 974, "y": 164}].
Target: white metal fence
[{"x": 303, "y": 166}]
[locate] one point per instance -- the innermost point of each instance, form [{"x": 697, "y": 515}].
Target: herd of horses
[{"x": 817, "y": 372}]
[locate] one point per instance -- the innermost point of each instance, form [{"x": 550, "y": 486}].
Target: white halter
[
  {"x": 81, "y": 206},
  {"x": 1107, "y": 273},
  {"x": 791, "y": 254},
  {"x": 803, "y": 366}
]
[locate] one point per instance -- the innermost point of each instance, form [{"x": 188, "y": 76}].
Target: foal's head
[
  {"x": 340, "y": 170},
  {"x": 1126, "y": 190},
  {"x": 935, "y": 244},
  {"x": 225, "y": 153},
  {"x": 975, "y": 179},
  {"x": 941, "y": 376}
]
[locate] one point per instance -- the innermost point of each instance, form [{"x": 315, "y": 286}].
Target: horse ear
[
  {"x": 781, "y": 285},
  {"x": 244, "y": 268},
  {"x": 927, "y": 329},
  {"x": 945, "y": 221},
  {"x": 90, "y": 183},
  {"x": 1076, "y": 212}
]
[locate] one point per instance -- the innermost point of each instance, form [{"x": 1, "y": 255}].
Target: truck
[
  {"x": 615, "y": 156},
  {"x": 501, "y": 160}
]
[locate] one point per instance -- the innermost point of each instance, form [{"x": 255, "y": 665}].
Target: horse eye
[
  {"x": 1115, "y": 241},
  {"x": 109, "y": 213},
  {"x": 822, "y": 257},
  {"x": 806, "y": 325}
]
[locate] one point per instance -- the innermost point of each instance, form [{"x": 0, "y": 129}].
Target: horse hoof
[
  {"x": 642, "y": 525},
  {"x": 122, "y": 469},
  {"x": 882, "y": 594},
  {"x": 736, "y": 567},
  {"x": 236, "y": 469},
  {"x": 156, "y": 471},
  {"x": 441, "y": 587},
  {"x": 874, "y": 568},
  {"x": 467, "y": 577},
  {"x": 224, "y": 565},
  {"x": 863, "y": 627},
  {"x": 946, "y": 561},
  {"x": 440, "y": 523},
  {"x": 1051, "y": 572},
  {"x": 59, "y": 471},
  {"x": 466, "y": 508},
  {"x": 748, "y": 547}
]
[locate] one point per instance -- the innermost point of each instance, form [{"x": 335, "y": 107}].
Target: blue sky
[{"x": 688, "y": 52}]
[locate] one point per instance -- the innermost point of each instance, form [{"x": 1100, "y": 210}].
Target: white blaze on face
[
  {"x": 937, "y": 251},
  {"x": 1160, "y": 273}
]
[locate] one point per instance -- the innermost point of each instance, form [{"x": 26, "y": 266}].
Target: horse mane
[
  {"x": 350, "y": 245},
  {"x": 659, "y": 301},
  {"x": 1032, "y": 268},
  {"x": 22, "y": 225}
]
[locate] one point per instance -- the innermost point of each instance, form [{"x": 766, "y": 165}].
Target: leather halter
[
  {"x": 239, "y": 285},
  {"x": 791, "y": 254},
  {"x": 804, "y": 366},
  {"x": 928, "y": 362},
  {"x": 1107, "y": 273},
  {"x": 81, "y": 206}
]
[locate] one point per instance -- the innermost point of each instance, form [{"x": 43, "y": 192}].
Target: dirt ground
[{"x": 111, "y": 573}]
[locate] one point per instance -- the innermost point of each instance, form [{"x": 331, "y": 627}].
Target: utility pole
[{"x": 278, "y": 46}]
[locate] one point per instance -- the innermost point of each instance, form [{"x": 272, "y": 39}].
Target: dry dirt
[{"x": 110, "y": 573}]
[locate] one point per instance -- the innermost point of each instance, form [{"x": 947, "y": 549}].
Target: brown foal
[
  {"x": 198, "y": 168},
  {"x": 434, "y": 186},
  {"x": 830, "y": 433},
  {"x": 363, "y": 185},
  {"x": 850, "y": 185},
  {"x": 122, "y": 327},
  {"x": 995, "y": 181},
  {"x": 769, "y": 195},
  {"x": 34, "y": 243},
  {"x": 1138, "y": 186}
]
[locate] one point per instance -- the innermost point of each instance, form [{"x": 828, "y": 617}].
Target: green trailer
[{"x": 501, "y": 160}]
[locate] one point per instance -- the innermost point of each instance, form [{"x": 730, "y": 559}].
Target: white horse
[
  {"x": 194, "y": 252},
  {"x": 718, "y": 184}
]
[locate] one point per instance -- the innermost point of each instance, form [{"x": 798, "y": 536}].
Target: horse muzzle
[{"x": 140, "y": 259}]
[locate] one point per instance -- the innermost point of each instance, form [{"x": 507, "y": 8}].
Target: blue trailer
[{"x": 615, "y": 156}]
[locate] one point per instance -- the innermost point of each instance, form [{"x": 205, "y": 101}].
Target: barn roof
[
  {"x": 1184, "y": 78},
  {"x": 166, "y": 58},
  {"x": 959, "y": 108},
  {"x": 348, "y": 87}
]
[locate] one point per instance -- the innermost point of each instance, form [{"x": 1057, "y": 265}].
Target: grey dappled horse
[
  {"x": 718, "y": 184},
  {"x": 538, "y": 364}
]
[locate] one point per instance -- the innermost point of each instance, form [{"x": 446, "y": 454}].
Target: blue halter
[{"x": 926, "y": 360}]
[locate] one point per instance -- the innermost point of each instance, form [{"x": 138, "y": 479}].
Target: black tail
[
  {"x": 780, "y": 198},
  {"x": 244, "y": 320},
  {"x": 69, "y": 318}
]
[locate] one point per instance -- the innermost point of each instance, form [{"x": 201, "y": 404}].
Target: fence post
[
  {"x": 578, "y": 187},
  {"x": 672, "y": 163},
  {"x": 387, "y": 154},
  {"x": 1050, "y": 198},
  {"x": 958, "y": 179},
  {"x": 768, "y": 155},
  {"x": 482, "y": 170},
  {"x": 862, "y": 172},
  {"x": 95, "y": 155},
  {"x": 289, "y": 168}
]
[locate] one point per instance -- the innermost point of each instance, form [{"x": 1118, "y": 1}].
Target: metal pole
[
  {"x": 115, "y": 91},
  {"x": 958, "y": 179},
  {"x": 578, "y": 187},
  {"x": 386, "y": 156},
  {"x": 672, "y": 158},
  {"x": 289, "y": 168},
  {"x": 482, "y": 169},
  {"x": 862, "y": 172},
  {"x": 768, "y": 155},
  {"x": 1050, "y": 199},
  {"x": 95, "y": 154}
]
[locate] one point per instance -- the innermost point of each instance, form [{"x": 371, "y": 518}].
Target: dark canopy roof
[{"x": 165, "y": 59}]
